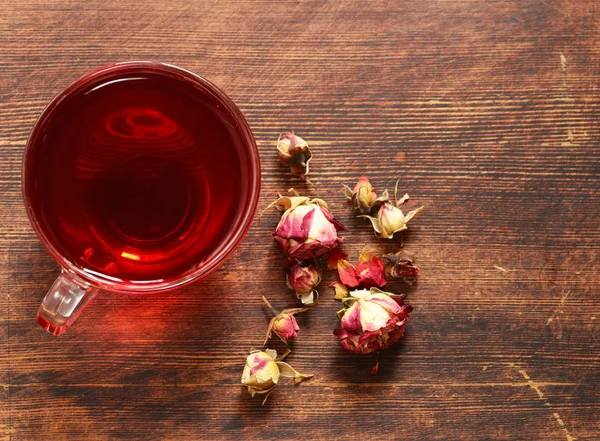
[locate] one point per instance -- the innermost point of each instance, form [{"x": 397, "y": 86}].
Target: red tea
[{"x": 138, "y": 177}]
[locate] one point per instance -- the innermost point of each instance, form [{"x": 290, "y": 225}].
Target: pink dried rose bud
[
  {"x": 371, "y": 320},
  {"x": 293, "y": 151},
  {"x": 363, "y": 195},
  {"x": 401, "y": 265},
  {"x": 390, "y": 219},
  {"x": 285, "y": 326},
  {"x": 307, "y": 229},
  {"x": 284, "y": 323},
  {"x": 303, "y": 277},
  {"x": 263, "y": 370},
  {"x": 368, "y": 272}
]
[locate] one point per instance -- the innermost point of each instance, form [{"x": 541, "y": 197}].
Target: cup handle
[{"x": 67, "y": 298}]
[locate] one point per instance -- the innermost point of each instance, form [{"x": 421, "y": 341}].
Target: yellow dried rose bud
[
  {"x": 263, "y": 369},
  {"x": 390, "y": 219},
  {"x": 293, "y": 151},
  {"x": 260, "y": 373},
  {"x": 363, "y": 196}
]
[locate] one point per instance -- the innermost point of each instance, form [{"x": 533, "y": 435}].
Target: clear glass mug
[{"x": 139, "y": 177}]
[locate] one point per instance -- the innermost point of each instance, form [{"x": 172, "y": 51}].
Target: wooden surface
[{"x": 488, "y": 111}]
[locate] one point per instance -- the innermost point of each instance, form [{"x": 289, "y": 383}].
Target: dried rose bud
[
  {"x": 284, "y": 323},
  {"x": 306, "y": 229},
  {"x": 341, "y": 290},
  {"x": 371, "y": 320},
  {"x": 263, "y": 369},
  {"x": 303, "y": 278},
  {"x": 390, "y": 220},
  {"x": 401, "y": 265},
  {"x": 363, "y": 196},
  {"x": 293, "y": 151},
  {"x": 285, "y": 326},
  {"x": 368, "y": 272},
  {"x": 261, "y": 373}
]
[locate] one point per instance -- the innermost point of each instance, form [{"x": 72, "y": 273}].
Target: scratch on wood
[
  {"x": 563, "y": 62},
  {"x": 502, "y": 269},
  {"x": 560, "y": 305},
  {"x": 536, "y": 387}
]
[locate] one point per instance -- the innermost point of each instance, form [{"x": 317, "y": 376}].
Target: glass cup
[{"x": 139, "y": 177}]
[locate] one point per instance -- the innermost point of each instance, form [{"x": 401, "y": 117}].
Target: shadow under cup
[{"x": 139, "y": 177}]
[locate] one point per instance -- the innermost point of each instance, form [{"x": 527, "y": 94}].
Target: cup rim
[{"x": 253, "y": 192}]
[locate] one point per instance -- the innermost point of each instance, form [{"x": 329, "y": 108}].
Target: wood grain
[{"x": 487, "y": 111}]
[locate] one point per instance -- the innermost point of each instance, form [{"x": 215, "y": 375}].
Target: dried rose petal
[
  {"x": 390, "y": 220},
  {"x": 293, "y": 151},
  {"x": 370, "y": 270},
  {"x": 306, "y": 229},
  {"x": 335, "y": 256},
  {"x": 401, "y": 265},
  {"x": 310, "y": 298},
  {"x": 371, "y": 320},
  {"x": 341, "y": 290},
  {"x": 375, "y": 369},
  {"x": 347, "y": 273}
]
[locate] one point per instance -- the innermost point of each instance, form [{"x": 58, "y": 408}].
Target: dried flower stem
[
  {"x": 268, "y": 304},
  {"x": 285, "y": 354}
]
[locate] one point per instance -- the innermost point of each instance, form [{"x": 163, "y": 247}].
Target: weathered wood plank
[{"x": 488, "y": 112}]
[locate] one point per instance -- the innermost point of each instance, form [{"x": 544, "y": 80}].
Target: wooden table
[{"x": 487, "y": 111}]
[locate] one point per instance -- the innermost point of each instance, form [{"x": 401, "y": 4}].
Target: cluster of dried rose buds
[
  {"x": 306, "y": 230},
  {"x": 389, "y": 218},
  {"x": 263, "y": 370},
  {"x": 372, "y": 319}
]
